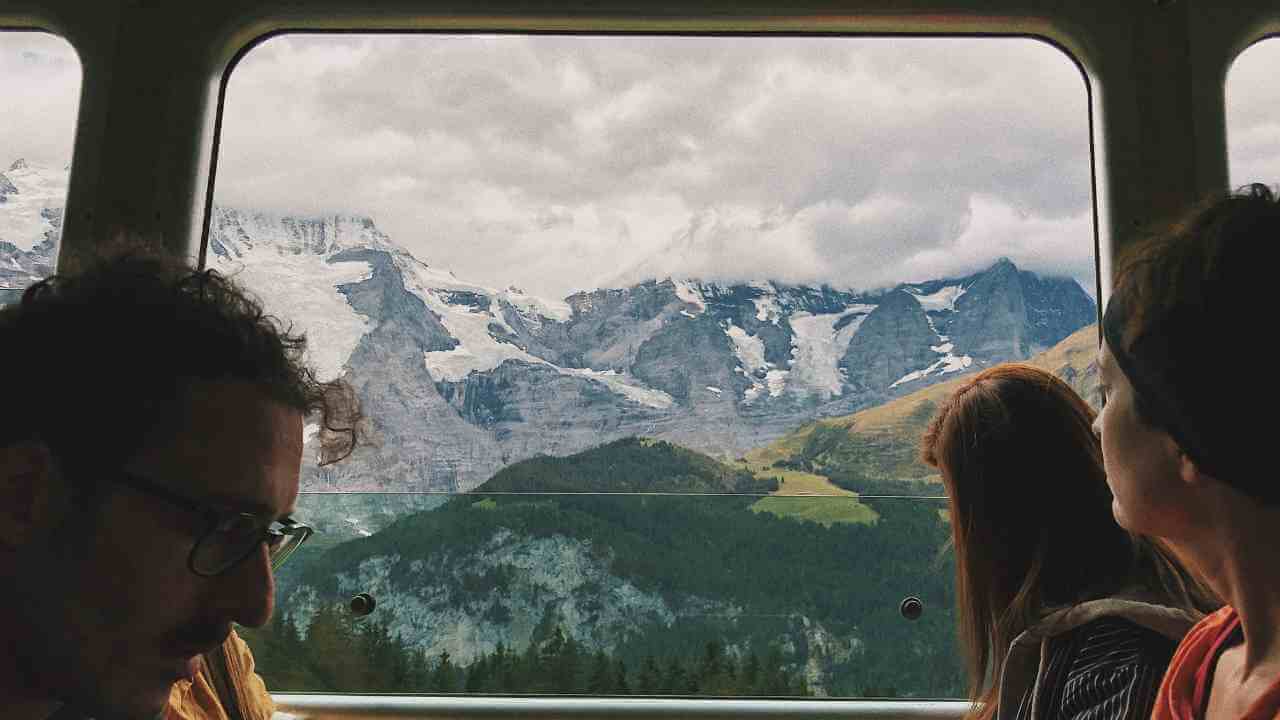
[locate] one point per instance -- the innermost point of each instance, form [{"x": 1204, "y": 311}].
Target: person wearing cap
[{"x": 1187, "y": 442}]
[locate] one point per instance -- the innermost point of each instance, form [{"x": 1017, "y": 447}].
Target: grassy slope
[{"x": 881, "y": 442}]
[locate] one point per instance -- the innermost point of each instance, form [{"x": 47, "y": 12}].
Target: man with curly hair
[{"x": 150, "y": 448}]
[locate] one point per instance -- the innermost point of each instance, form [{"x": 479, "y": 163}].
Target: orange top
[
  {"x": 1184, "y": 693},
  {"x": 197, "y": 700}
]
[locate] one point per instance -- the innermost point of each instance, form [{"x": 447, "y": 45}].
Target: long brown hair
[{"x": 1031, "y": 515}]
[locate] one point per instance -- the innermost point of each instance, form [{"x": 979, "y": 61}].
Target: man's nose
[{"x": 248, "y": 589}]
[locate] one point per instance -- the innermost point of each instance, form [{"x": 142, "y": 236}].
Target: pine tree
[
  {"x": 750, "y": 680},
  {"x": 712, "y": 661},
  {"x": 529, "y": 675},
  {"x": 676, "y": 680},
  {"x": 599, "y": 682},
  {"x": 650, "y": 678},
  {"x": 773, "y": 677},
  {"x": 443, "y": 678},
  {"x": 478, "y": 675},
  {"x": 504, "y": 669},
  {"x": 566, "y": 666},
  {"x": 620, "y": 686},
  {"x": 419, "y": 671}
]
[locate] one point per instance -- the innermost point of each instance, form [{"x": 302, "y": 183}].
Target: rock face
[
  {"x": 6, "y": 188},
  {"x": 30, "y": 225},
  {"x": 991, "y": 317},
  {"x": 420, "y": 441},
  {"x": 440, "y": 603},
  {"x": 894, "y": 340},
  {"x": 688, "y": 355},
  {"x": 1007, "y": 314},
  {"x": 460, "y": 380}
]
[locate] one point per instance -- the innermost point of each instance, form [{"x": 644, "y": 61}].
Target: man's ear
[{"x": 26, "y": 475}]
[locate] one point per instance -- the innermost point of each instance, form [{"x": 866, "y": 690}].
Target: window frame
[
  {"x": 111, "y": 37},
  {"x": 362, "y": 705}
]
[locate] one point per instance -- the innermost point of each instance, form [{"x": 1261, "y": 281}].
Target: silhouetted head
[
  {"x": 149, "y": 462},
  {"x": 1188, "y": 301}
]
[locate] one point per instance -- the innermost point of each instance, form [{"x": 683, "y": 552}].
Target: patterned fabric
[{"x": 1107, "y": 669}]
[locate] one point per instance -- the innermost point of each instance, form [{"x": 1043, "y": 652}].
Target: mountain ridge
[{"x": 460, "y": 379}]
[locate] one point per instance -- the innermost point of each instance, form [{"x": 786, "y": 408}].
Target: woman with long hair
[{"x": 1062, "y": 613}]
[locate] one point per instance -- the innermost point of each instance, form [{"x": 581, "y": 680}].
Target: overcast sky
[
  {"x": 562, "y": 163},
  {"x": 39, "y": 94},
  {"x": 1253, "y": 115}
]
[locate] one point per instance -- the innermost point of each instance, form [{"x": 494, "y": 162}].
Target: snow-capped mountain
[
  {"x": 31, "y": 199},
  {"x": 460, "y": 380}
]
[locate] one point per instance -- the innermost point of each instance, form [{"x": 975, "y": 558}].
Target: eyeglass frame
[{"x": 217, "y": 519}]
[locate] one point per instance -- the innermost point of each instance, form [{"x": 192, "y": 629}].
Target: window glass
[
  {"x": 647, "y": 329},
  {"x": 1253, "y": 123},
  {"x": 40, "y": 82}
]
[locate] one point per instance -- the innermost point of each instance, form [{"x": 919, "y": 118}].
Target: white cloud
[
  {"x": 1033, "y": 242},
  {"x": 556, "y": 163}
]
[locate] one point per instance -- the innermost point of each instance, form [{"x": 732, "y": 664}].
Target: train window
[
  {"x": 1253, "y": 115},
  {"x": 40, "y": 80},
  {"x": 647, "y": 329}
]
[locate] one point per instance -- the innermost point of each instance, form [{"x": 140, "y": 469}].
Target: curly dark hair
[
  {"x": 1187, "y": 298},
  {"x": 93, "y": 361}
]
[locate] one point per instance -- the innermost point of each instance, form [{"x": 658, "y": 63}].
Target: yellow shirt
[{"x": 197, "y": 700}]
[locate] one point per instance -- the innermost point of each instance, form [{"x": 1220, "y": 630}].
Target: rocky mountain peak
[
  {"x": 899, "y": 301},
  {"x": 233, "y": 232},
  {"x": 895, "y": 339},
  {"x": 19, "y": 164}
]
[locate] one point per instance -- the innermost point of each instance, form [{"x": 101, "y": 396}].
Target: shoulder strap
[{"x": 215, "y": 662}]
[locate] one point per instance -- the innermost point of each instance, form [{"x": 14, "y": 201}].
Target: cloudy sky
[{"x": 560, "y": 163}]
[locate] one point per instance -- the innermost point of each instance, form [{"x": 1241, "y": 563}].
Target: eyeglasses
[{"x": 229, "y": 536}]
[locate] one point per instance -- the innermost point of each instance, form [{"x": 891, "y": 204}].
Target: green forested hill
[
  {"x": 592, "y": 573},
  {"x": 817, "y": 605},
  {"x": 632, "y": 464}
]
